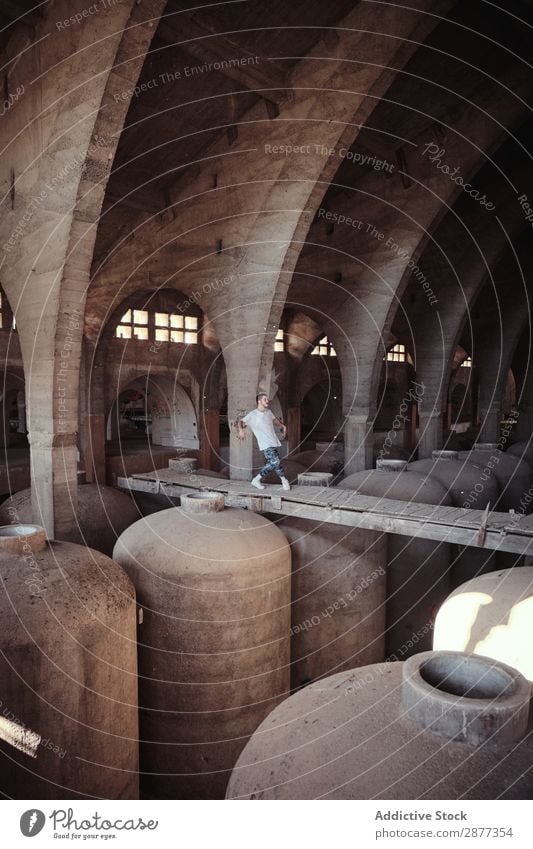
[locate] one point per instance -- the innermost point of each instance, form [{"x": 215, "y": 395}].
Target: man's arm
[{"x": 281, "y": 425}]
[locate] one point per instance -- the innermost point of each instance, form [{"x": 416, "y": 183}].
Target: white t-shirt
[{"x": 262, "y": 427}]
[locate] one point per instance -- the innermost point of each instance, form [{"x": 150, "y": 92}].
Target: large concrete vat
[
  {"x": 338, "y": 594},
  {"x": 102, "y": 513},
  {"x": 473, "y": 486},
  {"x": 68, "y": 671},
  {"x": 441, "y": 725},
  {"x": 214, "y": 585},
  {"x": 418, "y": 578}
]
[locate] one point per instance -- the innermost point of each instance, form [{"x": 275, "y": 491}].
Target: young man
[{"x": 261, "y": 422}]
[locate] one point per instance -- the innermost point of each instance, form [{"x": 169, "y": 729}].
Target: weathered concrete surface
[
  {"x": 214, "y": 641},
  {"x": 349, "y": 737},
  {"x": 57, "y": 154},
  {"x": 101, "y": 515},
  {"x": 68, "y": 668},
  {"x": 418, "y": 570},
  {"x": 338, "y": 598}
]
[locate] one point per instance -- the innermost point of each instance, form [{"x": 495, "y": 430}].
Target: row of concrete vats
[{"x": 215, "y": 639}]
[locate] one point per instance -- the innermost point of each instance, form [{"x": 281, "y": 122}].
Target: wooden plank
[
  {"x": 441, "y": 524},
  {"x": 423, "y": 510},
  {"x": 412, "y": 527},
  {"x": 138, "y": 485}
]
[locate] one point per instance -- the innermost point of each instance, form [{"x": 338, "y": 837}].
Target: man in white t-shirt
[{"x": 261, "y": 422}]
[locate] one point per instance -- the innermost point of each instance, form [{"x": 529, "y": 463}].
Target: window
[
  {"x": 397, "y": 354},
  {"x": 168, "y": 327},
  {"x": 279, "y": 344},
  {"x": 133, "y": 325},
  {"x": 467, "y": 363},
  {"x": 324, "y": 348}
]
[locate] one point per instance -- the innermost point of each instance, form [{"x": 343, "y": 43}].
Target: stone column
[
  {"x": 210, "y": 440},
  {"x": 489, "y": 416},
  {"x": 431, "y": 432},
  {"x": 54, "y": 492},
  {"x": 358, "y": 442},
  {"x": 240, "y": 453},
  {"x": 94, "y": 448},
  {"x": 293, "y": 428}
]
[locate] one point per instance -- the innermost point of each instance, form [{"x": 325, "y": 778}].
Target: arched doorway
[{"x": 156, "y": 409}]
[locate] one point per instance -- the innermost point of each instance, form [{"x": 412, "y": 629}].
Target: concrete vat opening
[
  {"x": 10, "y": 531},
  {"x": 469, "y": 678},
  {"x": 18, "y": 538},
  {"x": 466, "y": 698},
  {"x": 202, "y": 502}
]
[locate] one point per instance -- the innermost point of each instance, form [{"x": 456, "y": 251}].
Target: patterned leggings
[{"x": 272, "y": 463}]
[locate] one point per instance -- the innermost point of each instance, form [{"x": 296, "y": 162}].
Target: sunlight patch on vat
[
  {"x": 455, "y": 619},
  {"x": 511, "y": 642},
  {"x": 21, "y": 738}
]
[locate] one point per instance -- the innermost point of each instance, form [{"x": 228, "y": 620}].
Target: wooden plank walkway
[{"x": 502, "y": 531}]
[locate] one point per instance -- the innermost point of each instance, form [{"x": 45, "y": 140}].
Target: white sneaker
[
  {"x": 257, "y": 482},
  {"x": 285, "y": 483}
]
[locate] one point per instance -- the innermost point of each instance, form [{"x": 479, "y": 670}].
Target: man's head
[{"x": 262, "y": 401}]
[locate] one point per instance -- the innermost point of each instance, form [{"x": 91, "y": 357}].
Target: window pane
[
  {"x": 140, "y": 317},
  {"x": 190, "y": 338},
  {"x": 161, "y": 335},
  {"x": 123, "y": 331},
  {"x": 315, "y": 351},
  {"x": 161, "y": 319},
  {"x": 191, "y": 322},
  {"x": 278, "y": 346},
  {"x": 176, "y": 321},
  {"x": 176, "y": 335},
  {"x": 279, "y": 334},
  {"x": 126, "y": 317},
  {"x": 332, "y": 352},
  {"x": 140, "y": 332}
]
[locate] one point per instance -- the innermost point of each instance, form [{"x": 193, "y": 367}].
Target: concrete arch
[
  {"x": 59, "y": 200},
  {"x": 197, "y": 367},
  {"x": 174, "y": 418},
  {"x": 509, "y": 316},
  {"x": 339, "y": 100},
  {"x": 388, "y": 250},
  {"x": 466, "y": 274}
]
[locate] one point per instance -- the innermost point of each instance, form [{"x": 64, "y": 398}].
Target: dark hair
[{"x": 260, "y": 395}]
